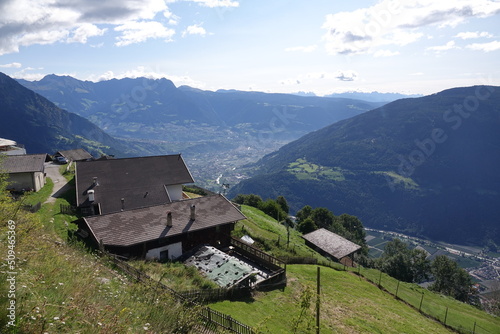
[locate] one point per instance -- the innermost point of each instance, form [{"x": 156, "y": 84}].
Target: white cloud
[
  {"x": 440, "y": 48},
  {"x": 309, "y": 48},
  {"x": 136, "y": 32},
  {"x": 28, "y": 22},
  {"x": 485, "y": 47},
  {"x": 172, "y": 18},
  {"x": 217, "y": 3},
  {"x": 194, "y": 29},
  {"x": 473, "y": 34},
  {"x": 84, "y": 31},
  {"x": 393, "y": 22},
  {"x": 11, "y": 65},
  {"x": 385, "y": 53},
  {"x": 346, "y": 75}
]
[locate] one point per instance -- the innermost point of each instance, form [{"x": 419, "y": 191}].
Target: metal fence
[
  {"x": 413, "y": 295},
  {"x": 67, "y": 209}
]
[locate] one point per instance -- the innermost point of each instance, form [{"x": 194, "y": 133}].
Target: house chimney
[
  {"x": 91, "y": 195},
  {"x": 123, "y": 203},
  {"x": 95, "y": 181},
  {"x": 169, "y": 219},
  {"x": 193, "y": 212}
]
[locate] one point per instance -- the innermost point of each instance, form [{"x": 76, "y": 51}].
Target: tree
[
  {"x": 322, "y": 217},
  {"x": 353, "y": 230},
  {"x": 450, "y": 279},
  {"x": 394, "y": 247},
  {"x": 304, "y": 213},
  {"x": 283, "y": 203},
  {"x": 273, "y": 209},
  {"x": 251, "y": 200},
  {"x": 402, "y": 263},
  {"x": 307, "y": 225}
]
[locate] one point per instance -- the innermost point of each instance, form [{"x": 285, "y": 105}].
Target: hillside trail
[{"x": 60, "y": 183}]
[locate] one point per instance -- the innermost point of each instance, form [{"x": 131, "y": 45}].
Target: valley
[
  {"x": 350, "y": 156},
  {"x": 481, "y": 263}
]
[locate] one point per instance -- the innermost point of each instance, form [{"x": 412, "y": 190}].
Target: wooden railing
[
  {"x": 257, "y": 253},
  {"x": 211, "y": 295},
  {"x": 225, "y": 321}
]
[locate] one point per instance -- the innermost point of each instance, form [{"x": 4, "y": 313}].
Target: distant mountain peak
[{"x": 373, "y": 96}]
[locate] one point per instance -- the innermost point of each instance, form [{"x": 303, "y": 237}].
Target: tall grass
[{"x": 63, "y": 288}]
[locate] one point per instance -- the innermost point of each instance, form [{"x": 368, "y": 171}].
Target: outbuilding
[
  {"x": 332, "y": 245},
  {"x": 24, "y": 172}
]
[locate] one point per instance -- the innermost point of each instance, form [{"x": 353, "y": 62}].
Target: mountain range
[
  {"x": 32, "y": 120},
  {"x": 423, "y": 166},
  {"x": 156, "y": 109},
  {"x": 216, "y": 131}
]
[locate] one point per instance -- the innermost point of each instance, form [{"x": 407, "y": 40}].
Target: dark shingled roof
[
  {"x": 139, "y": 181},
  {"x": 78, "y": 154},
  {"x": 136, "y": 226},
  {"x": 27, "y": 163},
  {"x": 331, "y": 243}
]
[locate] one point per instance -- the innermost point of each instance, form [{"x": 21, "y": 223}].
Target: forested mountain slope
[{"x": 425, "y": 166}]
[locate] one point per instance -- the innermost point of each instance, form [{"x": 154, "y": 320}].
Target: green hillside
[
  {"x": 352, "y": 301},
  {"x": 62, "y": 287},
  {"x": 421, "y": 166}
]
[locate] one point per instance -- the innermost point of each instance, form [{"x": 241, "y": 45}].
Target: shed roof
[
  {"x": 140, "y": 225},
  {"x": 26, "y": 163},
  {"x": 139, "y": 181},
  {"x": 331, "y": 243},
  {"x": 78, "y": 154}
]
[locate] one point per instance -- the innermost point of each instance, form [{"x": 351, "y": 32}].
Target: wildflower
[{"x": 56, "y": 318}]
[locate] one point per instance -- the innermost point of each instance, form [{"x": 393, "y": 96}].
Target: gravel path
[{"x": 60, "y": 182}]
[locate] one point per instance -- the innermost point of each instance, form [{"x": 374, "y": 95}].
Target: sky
[{"x": 283, "y": 46}]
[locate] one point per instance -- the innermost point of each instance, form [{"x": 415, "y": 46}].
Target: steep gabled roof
[
  {"x": 331, "y": 243},
  {"x": 140, "y": 225},
  {"x": 27, "y": 163},
  {"x": 139, "y": 181},
  {"x": 78, "y": 154}
]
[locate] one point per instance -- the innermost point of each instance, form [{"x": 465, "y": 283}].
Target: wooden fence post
[{"x": 421, "y": 300}]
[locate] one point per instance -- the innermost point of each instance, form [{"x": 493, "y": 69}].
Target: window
[{"x": 164, "y": 255}]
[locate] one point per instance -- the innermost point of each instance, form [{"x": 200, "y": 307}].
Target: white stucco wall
[
  {"x": 174, "y": 251},
  {"x": 175, "y": 192}
]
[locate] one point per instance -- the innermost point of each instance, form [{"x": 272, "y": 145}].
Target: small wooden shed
[{"x": 332, "y": 245}]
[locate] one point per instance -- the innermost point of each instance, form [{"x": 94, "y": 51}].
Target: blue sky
[{"x": 418, "y": 46}]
